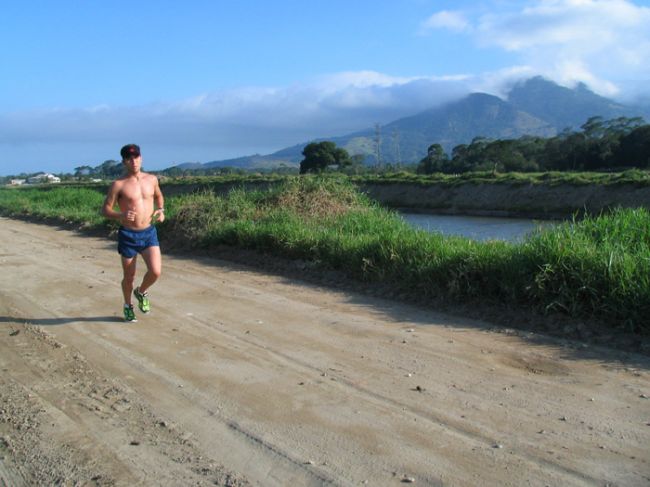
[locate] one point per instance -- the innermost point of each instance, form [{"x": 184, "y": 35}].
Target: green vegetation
[
  {"x": 600, "y": 145},
  {"x": 636, "y": 177},
  {"x": 321, "y": 155},
  {"x": 597, "y": 268},
  {"x": 61, "y": 203},
  {"x": 632, "y": 176},
  {"x": 107, "y": 170}
]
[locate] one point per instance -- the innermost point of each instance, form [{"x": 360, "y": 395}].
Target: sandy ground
[{"x": 243, "y": 378}]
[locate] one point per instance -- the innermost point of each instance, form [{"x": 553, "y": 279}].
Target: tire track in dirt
[
  {"x": 100, "y": 400},
  {"x": 103, "y": 434},
  {"x": 444, "y": 422}
]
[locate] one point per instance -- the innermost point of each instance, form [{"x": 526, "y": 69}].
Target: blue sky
[{"x": 205, "y": 80}]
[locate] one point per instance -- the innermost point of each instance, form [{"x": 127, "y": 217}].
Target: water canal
[{"x": 476, "y": 227}]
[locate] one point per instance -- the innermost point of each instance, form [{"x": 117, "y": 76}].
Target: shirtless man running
[{"x": 135, "y": 194}]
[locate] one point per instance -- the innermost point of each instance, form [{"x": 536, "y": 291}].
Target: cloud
[
  {"x": 445, "y": 19},
  {"x": 238, "y": 121},
  {"x": 587, "y": 25},
  {"x": 600, "y": 42}
]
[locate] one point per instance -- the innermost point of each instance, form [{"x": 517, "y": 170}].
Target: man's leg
[
  {"x": 153, "y": 259},
  {"x": 128, "y": 267}
]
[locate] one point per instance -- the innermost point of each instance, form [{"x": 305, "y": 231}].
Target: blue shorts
[{"x": 133, "y": 242}]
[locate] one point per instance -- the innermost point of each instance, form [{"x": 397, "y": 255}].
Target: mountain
[
  {"x": 533, "y": 107},
  {"x": 257, "y": 161},
  {"x": 287, "y": 157},
  {"x": 458, "y": 122},
  {"x": 564, "y": 107}
]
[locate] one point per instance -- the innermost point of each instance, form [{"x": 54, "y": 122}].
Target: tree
[
  {"x": 635, "y": 148},
  {"x": 82, "y": 171},
  {"x": 594, "y": 128},
  {"x": 320, "y": 155},
  {"x": 356, "y": 166},
  {"x": 109, "y": 169},
  {"x": 624, "y": 125},
  {"x": 435, "y": 161},
  {"x": 575, "y": 152}
]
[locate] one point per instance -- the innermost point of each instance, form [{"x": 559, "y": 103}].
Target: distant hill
[
  {"x": 533, "y": 107},
  {"x": 286, "y": 157},
  {"x": 455, "y": 123},
  {"x": 564, "y": 107},
  {"x": 260, "y": 162}
]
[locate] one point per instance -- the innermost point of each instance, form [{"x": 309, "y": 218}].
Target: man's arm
[
  {"x": 159, "y": 199},
  {"x": 109, "y": 203}
]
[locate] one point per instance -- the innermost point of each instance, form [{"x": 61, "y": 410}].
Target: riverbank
[
  {"x": 514, "y": 200},
  {"x": 539, "y": 201},
  {"x": 550, "y": 196}
]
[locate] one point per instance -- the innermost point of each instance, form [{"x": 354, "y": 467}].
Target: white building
[{"x": 43, "y": 178}]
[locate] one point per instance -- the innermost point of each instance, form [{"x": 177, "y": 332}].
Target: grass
[
  {"x": 65, "y": 204},
  {"x": 597, "y": 268},
  {"x": 636, "y": 177}
]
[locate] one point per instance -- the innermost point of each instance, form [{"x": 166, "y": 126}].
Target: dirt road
[{"x": 243, "y": 378}]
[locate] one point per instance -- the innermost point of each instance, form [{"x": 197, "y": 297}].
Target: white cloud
[
  {"x": 358, "y": 79},
  {"x": 239, "y": 121},
  {"x": 445, "y": 19},
  {"x": 591, "y": 24},
  {"x": 594, "y": 41},
  {"x": 604, "y": 43}
]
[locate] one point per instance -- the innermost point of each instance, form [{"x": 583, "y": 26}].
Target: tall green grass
[
  {"x": 65, "y": 204},
  {"x": 599, "y": 266},
  {"x": 594, "y": 268}
]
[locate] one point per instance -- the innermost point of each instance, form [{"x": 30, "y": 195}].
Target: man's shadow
[{"x": 61, "y": 321}]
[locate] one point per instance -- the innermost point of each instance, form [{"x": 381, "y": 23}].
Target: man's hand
[
  {"x": 159, "y": 215},
  {"x": 130, "y": 214}
]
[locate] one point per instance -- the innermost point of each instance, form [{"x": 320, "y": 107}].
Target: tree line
[{"x": 600, "y": 145}]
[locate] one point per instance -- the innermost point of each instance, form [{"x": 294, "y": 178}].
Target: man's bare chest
[{"x": 136, "y": 190}]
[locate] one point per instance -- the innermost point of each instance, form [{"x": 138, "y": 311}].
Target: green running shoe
[
  {"x": 129, "y": 314},
  {"x": 143, "y": 300}
]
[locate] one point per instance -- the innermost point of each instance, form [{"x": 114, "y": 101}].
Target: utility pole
[
  {"x": 378, "y": 144},
  {"x": 398, "y": 155}
]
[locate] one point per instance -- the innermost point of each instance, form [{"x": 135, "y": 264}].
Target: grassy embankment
[
  {"x": 598, "y": 267},
  {"x": 633, "y": 176},
  {"x": 578, "y": 178}
]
